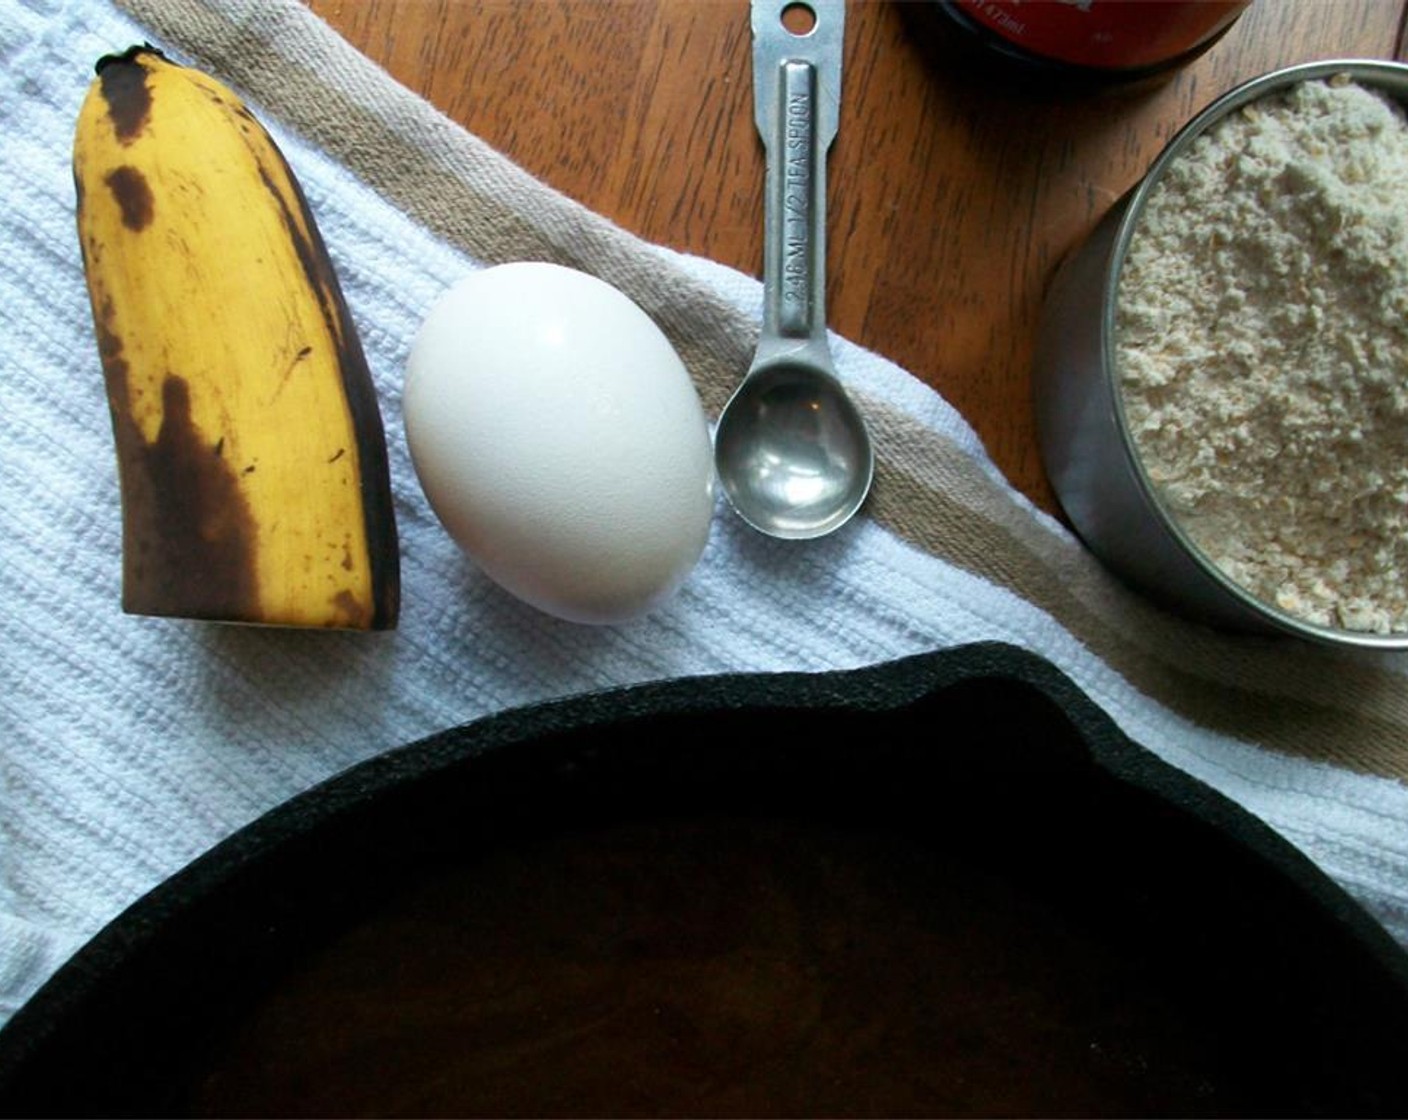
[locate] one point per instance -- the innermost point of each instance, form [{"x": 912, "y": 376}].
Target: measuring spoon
[{"x": 791, "y": 450}]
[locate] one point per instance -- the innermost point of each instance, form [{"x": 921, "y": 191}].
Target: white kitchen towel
[{"x": 128, "y": 746}]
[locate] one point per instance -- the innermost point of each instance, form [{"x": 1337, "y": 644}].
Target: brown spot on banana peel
[
  {"x": 302, "y": 356},
  {"x": 188, "y": 534},
  {"x": 123, "y": 81},
  {"x": 134, "y": 197},
  {"x": 353, "y": 612},
  {"x": 115, "y": 368},
  {"x": 187, "y": 531}
]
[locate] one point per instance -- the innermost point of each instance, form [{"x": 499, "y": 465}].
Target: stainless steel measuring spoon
[{"x": 791, "y": 450}]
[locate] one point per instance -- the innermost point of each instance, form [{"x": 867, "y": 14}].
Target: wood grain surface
[{"x": 956, "y": 185}]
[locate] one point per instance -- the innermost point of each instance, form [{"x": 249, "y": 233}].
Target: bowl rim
[{"x": 1384, "y": 75}]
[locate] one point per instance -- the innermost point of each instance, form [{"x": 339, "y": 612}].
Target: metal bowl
[{"x": 1082, "y": 429}]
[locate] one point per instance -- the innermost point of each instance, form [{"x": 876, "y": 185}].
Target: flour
[{"x": 1262, "y": 345}]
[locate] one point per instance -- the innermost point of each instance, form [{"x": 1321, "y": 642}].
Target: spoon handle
[{"x": 796, "y": 101}]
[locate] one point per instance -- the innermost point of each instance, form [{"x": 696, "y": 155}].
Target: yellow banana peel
[{"x": 251, "y": 456}]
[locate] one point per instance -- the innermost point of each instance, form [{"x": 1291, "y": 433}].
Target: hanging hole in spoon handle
[
  {"x": 792, "y": 452},
  {"x": 798, "y": 18}
]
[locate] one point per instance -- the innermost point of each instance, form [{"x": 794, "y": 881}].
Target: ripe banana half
[{"x": 251, "y": 456}]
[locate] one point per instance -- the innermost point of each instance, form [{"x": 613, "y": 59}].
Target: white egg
[{"x": 560, "y": 441}]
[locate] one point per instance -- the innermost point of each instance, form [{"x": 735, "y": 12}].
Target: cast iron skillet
[{"x": 943, "y": 886}]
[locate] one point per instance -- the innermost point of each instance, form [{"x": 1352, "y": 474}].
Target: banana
[{"x": 251, "y": 457}]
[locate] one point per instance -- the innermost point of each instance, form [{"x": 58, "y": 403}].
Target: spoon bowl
[{"x": 799, "y": 461}]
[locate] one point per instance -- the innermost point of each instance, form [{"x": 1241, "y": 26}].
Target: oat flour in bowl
[{"x": 1262, "y": 349}]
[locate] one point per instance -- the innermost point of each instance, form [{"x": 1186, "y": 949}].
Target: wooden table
[{"x": 954, "y": 191}]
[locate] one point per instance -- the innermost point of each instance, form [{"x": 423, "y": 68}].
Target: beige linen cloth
[{"x": 131, "y": 745}]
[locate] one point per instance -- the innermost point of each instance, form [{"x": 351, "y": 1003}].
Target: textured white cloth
[{"x": 129, "y": 745}]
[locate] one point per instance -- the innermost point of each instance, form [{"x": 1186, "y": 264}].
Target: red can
[{"x": 1116, "y": 37}]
